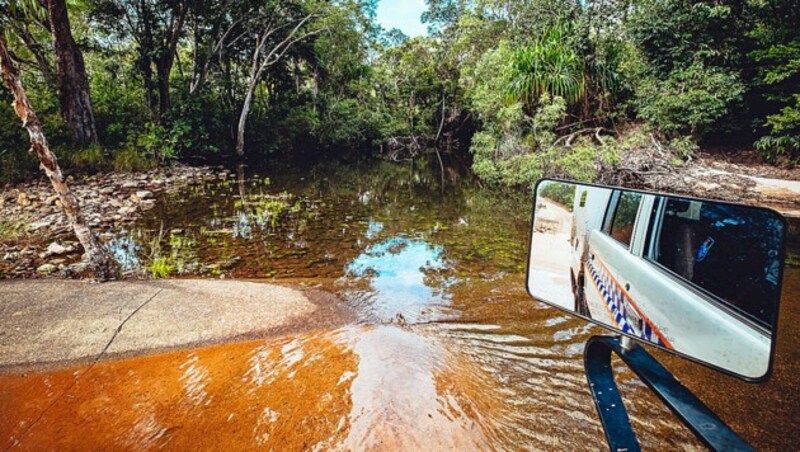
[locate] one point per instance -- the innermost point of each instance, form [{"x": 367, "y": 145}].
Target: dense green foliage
[
  {"x": 524, "y": 89},
  {"x": 559, "y": 192}
]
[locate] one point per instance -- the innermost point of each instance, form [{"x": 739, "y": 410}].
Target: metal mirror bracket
[{"x": 706, "y": 425}]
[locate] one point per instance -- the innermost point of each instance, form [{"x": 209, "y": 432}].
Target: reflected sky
[
  {"x": 125, "y": 250},
  {"x": 399, "y": 271}
]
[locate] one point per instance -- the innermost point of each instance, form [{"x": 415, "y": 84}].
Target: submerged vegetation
[
  {"x": 519, "y": 89},
  {"x": 314, "y": 222}
]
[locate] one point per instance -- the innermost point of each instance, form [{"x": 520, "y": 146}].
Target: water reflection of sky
[
  {"x": 396, "y": 269},
  {"x": 373, "y": 228},
  {"x": 125, "y": 249}
]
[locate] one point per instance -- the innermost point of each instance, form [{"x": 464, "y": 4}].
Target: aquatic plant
[
  {"x": 11, "y": 229},
  {"x": 160, "y": 268}
]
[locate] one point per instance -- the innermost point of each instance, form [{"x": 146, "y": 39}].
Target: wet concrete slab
[{"x": 44, "y": 322}]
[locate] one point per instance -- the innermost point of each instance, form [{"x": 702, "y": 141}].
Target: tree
[
  {"x": 548, "y": 66},
  {"x": 71, "y": 80},
  {"x": 690, "y": 70},
  {"x": 777, "y": 59},
  {"x": 21, "y": 21},
  {"x": 96, "y": 258},
  {"x": 276, "y": 30},
  {"x": 156, "y": 27},
  {"x": 215, "y": 26}
]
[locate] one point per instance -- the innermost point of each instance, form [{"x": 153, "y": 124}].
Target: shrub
[
  {"x": 130, "y": 159},
  {"x": 10, "y": 229},
  {"x": 85, "y": 158},
  {"x": 690, "y": 100},
  {"x": 684, "y": 146},
  {"x": 784, "y": 139},
  {"x": 518, "y": 150}
]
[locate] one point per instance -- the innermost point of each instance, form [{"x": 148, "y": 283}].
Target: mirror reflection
[{"x": 699, "y": 278}]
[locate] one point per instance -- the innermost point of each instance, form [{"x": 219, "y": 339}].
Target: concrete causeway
[{"x": 46, "y": 322}]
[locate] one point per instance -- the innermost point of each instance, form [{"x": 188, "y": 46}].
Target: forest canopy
[{"x": 520, "y": 89}]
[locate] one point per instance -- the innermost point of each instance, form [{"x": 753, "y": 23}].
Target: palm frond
[{"x": 547, "y": 66}]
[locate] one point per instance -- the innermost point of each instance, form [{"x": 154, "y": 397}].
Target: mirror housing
[{"x": 694, "y": 277}]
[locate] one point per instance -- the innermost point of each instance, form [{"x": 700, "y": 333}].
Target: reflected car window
[
  {"x": 731, "y": 252},
  {"x": 625, "y": 217}
]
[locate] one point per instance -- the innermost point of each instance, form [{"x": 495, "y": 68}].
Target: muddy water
[{"x": 448, "y": 351}]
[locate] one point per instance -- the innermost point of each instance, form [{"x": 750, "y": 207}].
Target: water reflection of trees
[{"x": 314, "y": 223}]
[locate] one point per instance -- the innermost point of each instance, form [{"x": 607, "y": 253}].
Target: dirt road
[{"x": 550, "y": 254}]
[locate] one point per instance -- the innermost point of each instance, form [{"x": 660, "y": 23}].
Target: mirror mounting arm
[{"x": 706, "y": 425}]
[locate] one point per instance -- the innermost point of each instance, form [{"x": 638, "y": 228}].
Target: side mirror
[{"x": 694, "y": 277}]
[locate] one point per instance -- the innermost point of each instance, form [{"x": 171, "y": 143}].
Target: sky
[{"x": 402, "y": 14}]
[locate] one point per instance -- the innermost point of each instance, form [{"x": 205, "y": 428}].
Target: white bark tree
[
  {"x": 96, "y": 258},
  {"x": 269, "y": 49}
]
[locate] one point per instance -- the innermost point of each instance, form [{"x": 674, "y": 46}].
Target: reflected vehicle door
[
  {"x": 611, "y": 264},
  {"x": 655, "y": 292}
]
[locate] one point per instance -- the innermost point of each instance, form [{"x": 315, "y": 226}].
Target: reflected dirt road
[
  {"x": 448, "y": 353},
  {"x": 551, "y": 254}
]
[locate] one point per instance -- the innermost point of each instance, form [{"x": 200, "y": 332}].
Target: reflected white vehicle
[{"x": 697, "y": 277}]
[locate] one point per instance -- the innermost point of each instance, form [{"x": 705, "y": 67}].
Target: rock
[
  {"x": 106, "y": 190},
  {"x": 44, "y": 222},
  {"x": 23, "y": 200},
  {"x": 50, "y": 200},
  {"x": 141, "y": 195},
  {"x": 126, "y": 210},
  {"x": 57, "y": 249},
  {"x": 46, "y": 269},
  {"x": 11, "y": 256},
  {"x": 130, "y": 184}
]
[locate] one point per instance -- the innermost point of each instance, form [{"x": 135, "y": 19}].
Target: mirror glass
[{"x": 695, "y": 277}]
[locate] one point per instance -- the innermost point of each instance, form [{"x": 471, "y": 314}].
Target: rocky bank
[{"x": 35, "y": 235}]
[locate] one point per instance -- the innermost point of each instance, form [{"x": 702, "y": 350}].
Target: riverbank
[
  {"x": 35, "y": 237},
  {"x": 47, "y": 323},
  {"x": 739, "y": 178}
]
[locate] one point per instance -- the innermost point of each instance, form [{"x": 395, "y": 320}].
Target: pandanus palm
[{"x": 548, "y": 66}]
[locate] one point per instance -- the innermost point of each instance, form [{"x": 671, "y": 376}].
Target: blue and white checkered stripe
[{"x": 613, "y": 297}]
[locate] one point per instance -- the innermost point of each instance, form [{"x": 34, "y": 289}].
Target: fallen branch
[{"x": 569, "y": 138}]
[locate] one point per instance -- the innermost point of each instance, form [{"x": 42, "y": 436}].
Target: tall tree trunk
[
  {"x": 259, "y": 64},
  {"x": 96, "y": 258},
  {"x": 167, "y": 59},
  {"x": 71, "y": 81},
  {"x": 162, "y": 75},
  {"x": 248, "y": 100}
]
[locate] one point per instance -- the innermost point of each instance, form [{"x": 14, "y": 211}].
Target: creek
[{"x": 446, "y": 350}]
